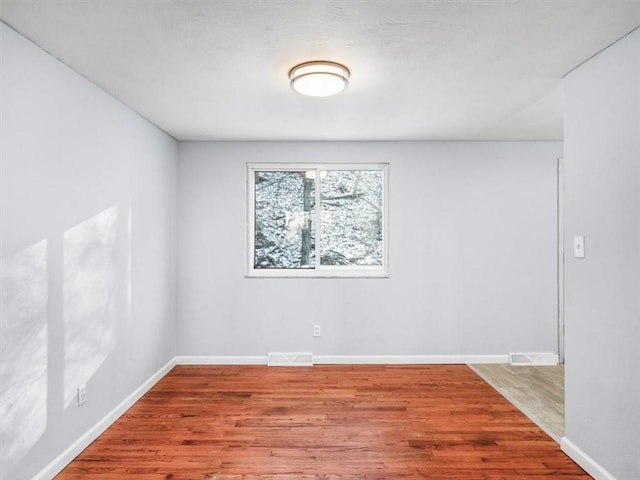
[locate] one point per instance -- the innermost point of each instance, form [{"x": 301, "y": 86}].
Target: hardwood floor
[
  {"x": 324, "y": 422},
  {"x": 537, "y": 391}
]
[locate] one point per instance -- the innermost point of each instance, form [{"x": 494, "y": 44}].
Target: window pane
[
  {"x": 284, "y": 220},
  {"x": 351, "y": 217}
]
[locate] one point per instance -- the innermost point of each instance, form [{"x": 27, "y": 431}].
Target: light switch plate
[{"x": 578, "y": 246}]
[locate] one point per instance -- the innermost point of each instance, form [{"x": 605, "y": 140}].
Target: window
[{"x": 317, "y": 220}]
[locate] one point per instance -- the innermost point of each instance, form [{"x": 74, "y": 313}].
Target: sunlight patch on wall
[
  {"x": 92, "y": 298},
  {"x": 129, "y": 298},
  {"x": 23, "y": 347}
]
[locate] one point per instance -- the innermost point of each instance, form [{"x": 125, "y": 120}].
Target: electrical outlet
[
  {"x": 578, "y": 246},
  {"x": 317, "y": 331},
  {"x": 82, "y": 394}
]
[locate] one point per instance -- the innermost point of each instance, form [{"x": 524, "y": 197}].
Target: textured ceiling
[{"x": 421, "y": 69}]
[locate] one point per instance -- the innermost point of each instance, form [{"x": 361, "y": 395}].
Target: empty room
[{"x": 320, "y": 239}]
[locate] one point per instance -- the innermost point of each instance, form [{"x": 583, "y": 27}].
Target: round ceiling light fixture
[{"x": 319, "y": 78}]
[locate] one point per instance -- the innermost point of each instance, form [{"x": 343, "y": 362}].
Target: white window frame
[{"x": 319, "y": 271}]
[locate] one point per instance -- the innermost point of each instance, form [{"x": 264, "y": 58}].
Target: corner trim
[
  {"x": 57, "y": 464},
  {"x": 592, "y": 467}
]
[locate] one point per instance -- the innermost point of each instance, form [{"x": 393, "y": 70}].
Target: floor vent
[
  {"x": 533, "y": 359},
  {"x": 290, "y": 359}
]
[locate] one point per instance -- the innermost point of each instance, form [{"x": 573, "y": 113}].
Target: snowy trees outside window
[{"x": 317, "y": 220}]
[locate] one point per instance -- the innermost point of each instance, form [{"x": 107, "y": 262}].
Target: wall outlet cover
[{"x": 82, "y": 394}]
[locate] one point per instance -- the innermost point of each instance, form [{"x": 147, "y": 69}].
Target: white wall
[
  {"x": 88, "y": 254},
  {"x": 472, "y": 255},
  {"x": 602, "y": 165}
]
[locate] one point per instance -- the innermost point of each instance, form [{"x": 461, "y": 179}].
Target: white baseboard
[
  {"x": 407, "y": 359},
  {"x": 592, "y": 467},
  {"x": 221, "y": 360},
  {"x": 346, "y": 359},
  {"x": 62, "y": 460}
]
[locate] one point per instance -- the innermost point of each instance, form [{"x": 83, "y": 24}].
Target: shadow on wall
[{"x": 96, "y": 298}]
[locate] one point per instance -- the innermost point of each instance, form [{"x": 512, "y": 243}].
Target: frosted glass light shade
[{"x": 319, "y": 79}]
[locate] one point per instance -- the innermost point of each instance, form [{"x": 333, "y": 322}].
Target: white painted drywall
[
  {"x": 602, "y": 291},
  {"x": 472, "y": 255},
  {"x": 88, "y": 254}
]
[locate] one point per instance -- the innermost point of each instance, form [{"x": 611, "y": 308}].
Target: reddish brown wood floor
[{"x": 325, "y": 422}]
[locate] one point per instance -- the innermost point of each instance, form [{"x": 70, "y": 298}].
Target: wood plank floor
[
  {"x": 537, "y": 391},
  {"x": 324, "y": 422}
]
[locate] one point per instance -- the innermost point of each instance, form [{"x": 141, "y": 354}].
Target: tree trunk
[{"x": 305, "y": 248}]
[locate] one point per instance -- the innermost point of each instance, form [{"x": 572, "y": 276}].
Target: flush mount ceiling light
[{"x": 319, "y": 78}]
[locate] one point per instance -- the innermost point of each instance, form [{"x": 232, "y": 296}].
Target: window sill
[{"x": 313, "y": 273}]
